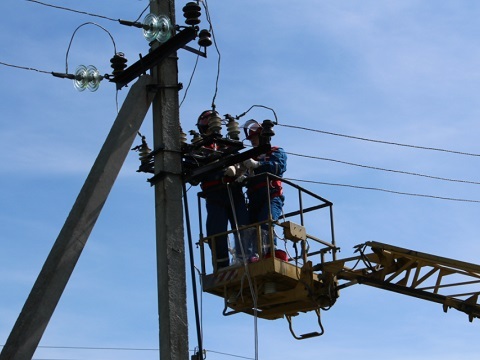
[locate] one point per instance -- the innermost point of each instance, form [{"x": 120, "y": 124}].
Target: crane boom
[
  {"x": 286, "y": 284},
  {"x": 438, "y": 279}
]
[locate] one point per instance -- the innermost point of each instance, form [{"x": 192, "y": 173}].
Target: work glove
[
  {"x": 251, "y": 164},
  {"x": 240, "y": 179},
  {"x": 230, "y": 171}
]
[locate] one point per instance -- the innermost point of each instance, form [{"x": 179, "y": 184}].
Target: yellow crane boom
[{"x": 434, "y": 278}]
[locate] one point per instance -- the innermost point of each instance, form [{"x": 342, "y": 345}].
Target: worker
[
  {"x": 221, "y": 209},
  {"x": 273, "y": 162}
]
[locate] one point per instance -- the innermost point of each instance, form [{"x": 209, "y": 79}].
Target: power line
[
  {"x": 130, "y": 349},
  {"x": 97, "y": 348},
  {"x": 73, "y": 35},
  {"x": 84, "y": 12},
  {"x": 67, "y": 52},
  {"x": 350, "y": 163},
  {"x": 334, "y": 160},
  {"x": 72, "y": 10},
  {"x": 25, "y": 68},
  {"x": 219, "y": 60},
  {"x": 190, "y": 80},
  {"x": 380, "y": 141},
  {"x": 387, "y": 170},
  {"x": 385, "y": 190},
  {"x": 231, "y": 355}
]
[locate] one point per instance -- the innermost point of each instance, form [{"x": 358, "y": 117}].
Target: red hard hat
[{"x": 202, "y": 122}]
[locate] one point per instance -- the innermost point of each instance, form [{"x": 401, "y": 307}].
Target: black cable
[
  {"x": 143, "y": 12},
  {"x": 87, "y": 13},
  {"x": 76, "y": 11},
  {"x": 190, "y": 81},
  {"x": 349, "y": 163},
  {"x": 52, "y": 359},
  {"x": 201, "y": 296},
  {"x": 380, "y": 141},
  {"x": 209, "y": 20},
  {"x": 73, "y": 35},
  {"x": 96, "y": 348},
  {"x": 260, "y": 106},
  {"x": 25, "y": 68},
  {"x": 192, "y": 269},
  {"x": 385, "y": 190},
  {"x": 226, "y": 354},
  {"x": 328, "y": 159},
  {"x": 388, "y": 170},
  {"x": 131, "y": 349},
  {"x": 335, "y": 134}
]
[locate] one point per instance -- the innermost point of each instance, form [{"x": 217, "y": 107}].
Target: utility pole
[
  {"x": 171, "y": 278},
  {"x": 168, "y": 182},
  {"x": 53, "y": 278}
]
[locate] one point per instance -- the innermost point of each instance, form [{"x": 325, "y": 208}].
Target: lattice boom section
[{"x": 452, "y": 283}]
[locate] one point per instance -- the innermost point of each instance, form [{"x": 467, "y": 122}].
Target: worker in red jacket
[{"x": 220, "y": 210}]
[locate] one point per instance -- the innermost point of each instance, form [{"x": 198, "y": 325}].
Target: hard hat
[
  {"x": 252, "y": 128},
  {"x": 202, "y": 123}
]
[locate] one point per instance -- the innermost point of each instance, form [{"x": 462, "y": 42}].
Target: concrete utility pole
[
  {"x": 172, "y": 304},
  {"x": 172, "y": 295},
  {"x": 52, "y": 280}
]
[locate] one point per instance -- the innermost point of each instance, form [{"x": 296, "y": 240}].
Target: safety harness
[
  {"x": 205, "y": 185},
  {"x": 275, "y": 185}
]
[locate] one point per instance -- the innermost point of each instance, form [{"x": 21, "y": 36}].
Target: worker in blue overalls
[
  {"x": 221, "y": 209},
  {"x": 273, "y": 162}
]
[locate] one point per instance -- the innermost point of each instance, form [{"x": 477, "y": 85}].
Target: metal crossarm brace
[
  {"x": 196, "y": 174},
  {"x": 154, "y": 58}
]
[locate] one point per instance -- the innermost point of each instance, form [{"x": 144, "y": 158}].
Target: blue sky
[{"x": 399, "y": 71}]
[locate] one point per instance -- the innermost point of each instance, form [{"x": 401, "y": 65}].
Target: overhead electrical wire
[
  {"x": 72, "y": 10},
  {"x": 73, "y": 35},
  {"x": 84, "y": 12},
  {"x": 385, "y": 190},
  {"x": 258, "y": 106},
  {"x": 190, "y": 81},
  {"x": 387, "y": 170},
  {"x": 336, "y": 134},
  {"x": 205, "y": 4},
  {"x": 231, "y": 355},
  {"x": 247, "y": 274},
  {"x": 132, "y": 349},
  {"x": 207, "y": 13},
  {"x": 354, "y": 164},
  {"x": 380, "y": 141},
  {"x": 97, "y": 348},
  {"x": 192, "y": 270},
  {"x": 212, "y": 31},
  {"x": 25, "y": 68}
]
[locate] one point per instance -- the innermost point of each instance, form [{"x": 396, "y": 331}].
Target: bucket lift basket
[{"x": 278, "y": 286}]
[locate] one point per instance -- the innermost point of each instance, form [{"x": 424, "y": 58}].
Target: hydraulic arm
[{"x": 452, "y": 283}]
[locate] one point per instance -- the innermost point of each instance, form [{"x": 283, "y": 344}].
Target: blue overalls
[
  {"x": 219, "y": 213},
  {"x": 273, "y": 162}
]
